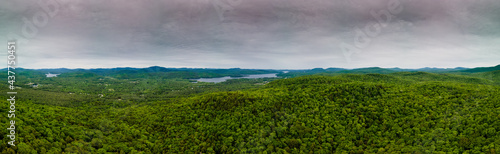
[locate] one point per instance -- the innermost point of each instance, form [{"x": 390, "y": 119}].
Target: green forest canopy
[{"x": 330, "y": 111}]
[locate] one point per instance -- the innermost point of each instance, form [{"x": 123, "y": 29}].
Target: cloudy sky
[{"x": 274, "y": 34}]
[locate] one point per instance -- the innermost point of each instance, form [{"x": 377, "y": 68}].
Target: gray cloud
[{"x": 254, "y": 34}]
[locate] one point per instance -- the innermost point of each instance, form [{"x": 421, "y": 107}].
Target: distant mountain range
[
  {"x": 153, "y": 69},
  {"x": 482, "y": 69},
  {"x": 393, "y": 70}
]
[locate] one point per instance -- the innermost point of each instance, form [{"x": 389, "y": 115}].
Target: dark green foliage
[
  {"x": 325, "y": 115},
  {"x": 160, "y": 111}
]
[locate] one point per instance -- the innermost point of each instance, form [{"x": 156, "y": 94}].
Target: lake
[{"x": 222, "y": 79}]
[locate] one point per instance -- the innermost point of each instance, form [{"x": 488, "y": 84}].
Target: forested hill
[
  {"x": 339, "y": 114},
  {"x": 483, "y": 69},
  {"x": 327, "y": 112}
]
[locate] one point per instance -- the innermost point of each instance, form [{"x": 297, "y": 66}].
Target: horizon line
[{"x": 253, "y": 68}]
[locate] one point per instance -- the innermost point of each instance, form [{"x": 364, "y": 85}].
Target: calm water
[{"x": 222, "y": 79}]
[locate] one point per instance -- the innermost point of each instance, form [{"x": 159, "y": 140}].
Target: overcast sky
[{"x": 272, "y": 34}]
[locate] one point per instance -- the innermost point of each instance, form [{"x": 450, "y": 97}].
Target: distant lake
[{"x": 222, "y": 79}]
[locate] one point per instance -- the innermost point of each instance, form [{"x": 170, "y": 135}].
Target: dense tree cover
[
  {"x": 493, "y": 76},
  {"x": 407, "y": 112},
  {"x": 338, "y": 114}
]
